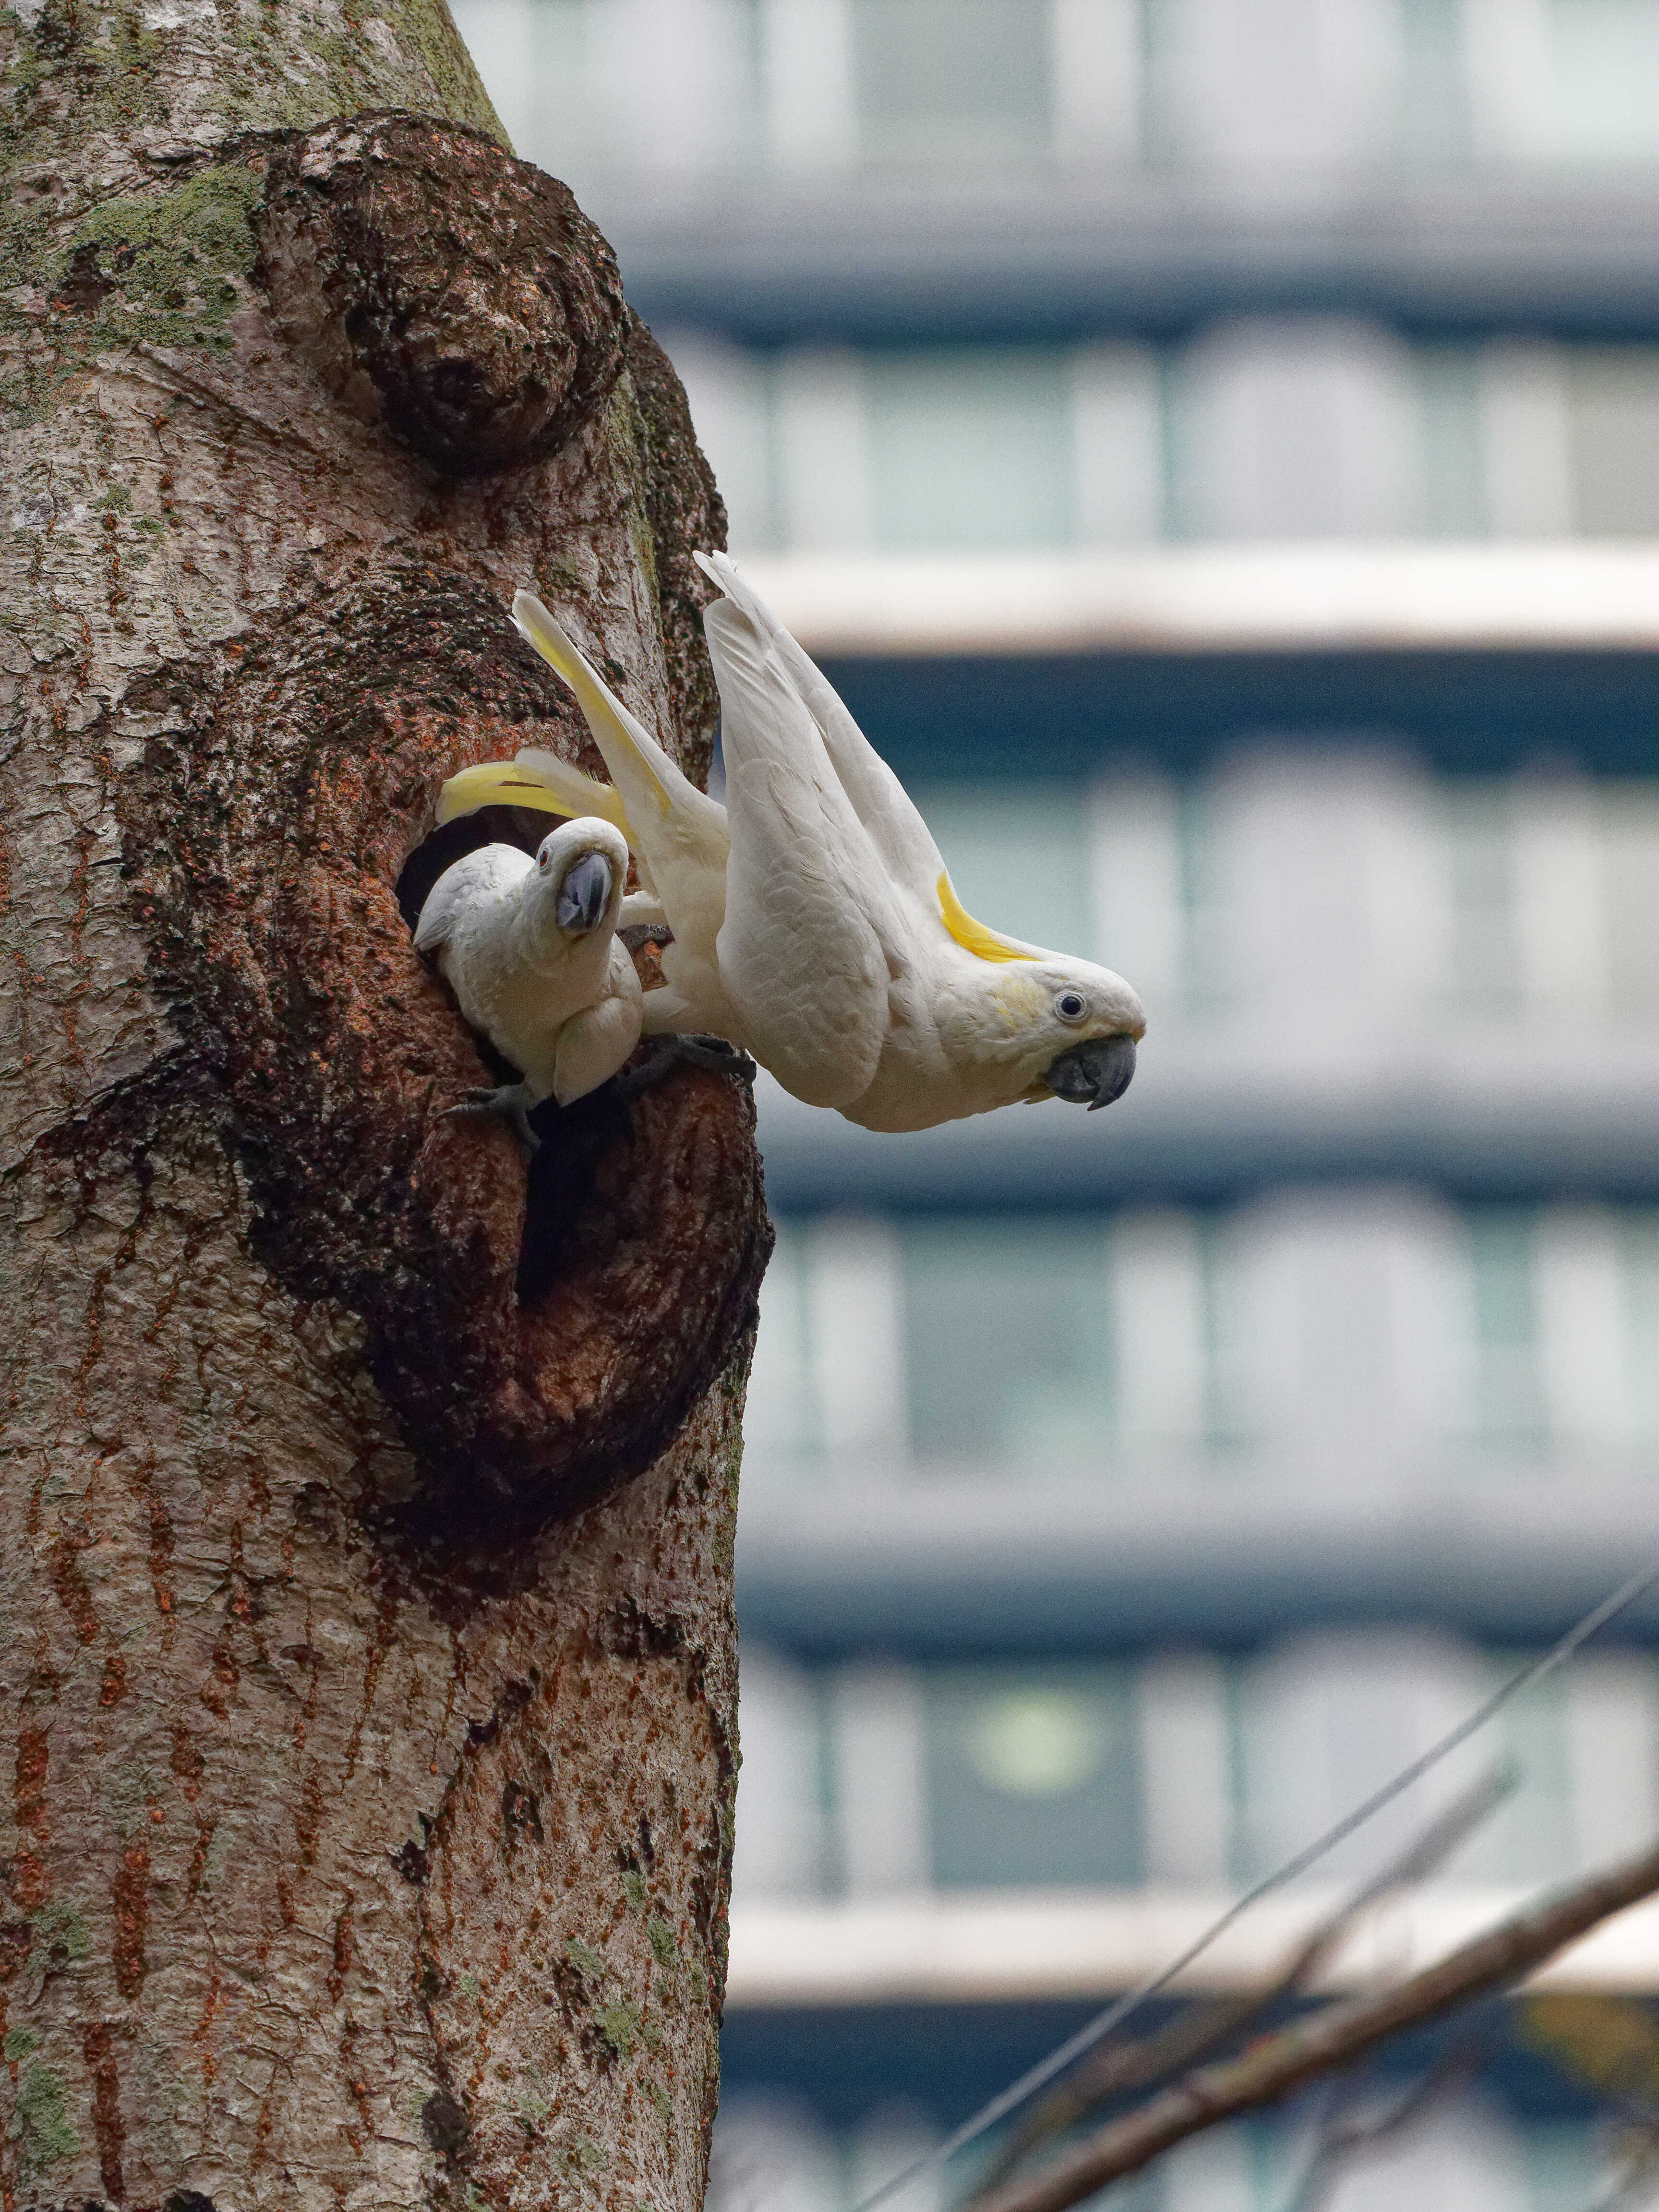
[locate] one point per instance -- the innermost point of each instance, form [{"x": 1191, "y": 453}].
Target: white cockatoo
[
  {"x": 813, "y": 920},
  {"x": 530, "y": 949}
]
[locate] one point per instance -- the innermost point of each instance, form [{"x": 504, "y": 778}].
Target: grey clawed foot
[
  {"x": 715, "y": 1054},
  {"x": 511, "y": 1103},
  {"x": 710, "y": 1051}
]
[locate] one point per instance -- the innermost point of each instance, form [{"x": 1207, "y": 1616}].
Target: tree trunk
[{"x": 369, "y": 1665}]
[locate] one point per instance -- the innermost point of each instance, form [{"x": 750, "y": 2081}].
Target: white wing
[
  {"x": 489, "y": 874},
  {"x": 879, "y": 799},
  {"x": 812, "y": 931},
  {"x": 593, "y": 1043}
]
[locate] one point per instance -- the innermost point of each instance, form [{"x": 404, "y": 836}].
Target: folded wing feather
[{"x": 810, "y": 920}]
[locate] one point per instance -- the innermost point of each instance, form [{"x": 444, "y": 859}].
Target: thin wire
[{"x": 1114, "y": 2016}]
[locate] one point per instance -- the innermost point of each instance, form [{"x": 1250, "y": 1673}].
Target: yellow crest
[
  {"x": 973, "y": 936},
  {"x": 495, "y": 783}
]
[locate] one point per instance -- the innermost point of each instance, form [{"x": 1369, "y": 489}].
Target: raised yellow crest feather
[{"x": 973, "y": 936}]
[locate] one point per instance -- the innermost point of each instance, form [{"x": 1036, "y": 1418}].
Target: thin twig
[
  {"x": 1341, "y": 2144},
  {"x": 1066, "y": 2054},
  {"x": 1630, "y": 2190},
  {"x": 1114, "y": 2069},
  {"x": 1330, "y": 2038}
]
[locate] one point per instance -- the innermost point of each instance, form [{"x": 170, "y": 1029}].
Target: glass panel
[
  {"x": 1032, "y": 1777},
  {"x": 965, "y": 76},
  {"x": 1614, "y": 404},
  {"x": 1485, "y": 963},
  {"x": 1530, "y": 1838},
  {"x": 1641, "y": 1254},
  {"x": 1208, "y": 913},
  {"x": 1453, "y": 462},
  {"x": 1606, "y": 57},
  {"x": 1232, "y": 1411},
  {"x": 1631, "y": 876},
  {"x": 1007, "y": 1327},
  {"x": 779, "y": 1427},
  {"x": 1018, "y": 858},
  {"x": 1508, "y": 1404},
  {"x": 1434, "y": 108},
  {"x": 969, "y": 450},
  {"x": 533, "y": 57}
]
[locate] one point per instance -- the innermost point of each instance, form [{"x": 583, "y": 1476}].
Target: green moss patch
[
  {"x": 39, "y": 2123},
  {"x": 171, "y": 268}
]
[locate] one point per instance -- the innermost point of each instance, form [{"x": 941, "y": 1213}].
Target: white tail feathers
[{"x": 608, "y": 720}]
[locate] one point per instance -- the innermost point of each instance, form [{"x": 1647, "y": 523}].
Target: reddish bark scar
[
  {"x": 105, "y": 2108},
  {"x": 131, "y": 1901}
]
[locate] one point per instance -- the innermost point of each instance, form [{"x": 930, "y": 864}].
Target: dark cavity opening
[
  {"x": 491, "y": 825},
  {"x": 573, "y": 1138}
]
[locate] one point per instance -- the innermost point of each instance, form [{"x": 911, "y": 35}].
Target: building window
[
  {"x": 1629, "y": 844},
  {"x": 1613, "y": 397},
  {"x": 1507, "y": 1401},
  {"x": 969, "y": 450},
  {"x": 963, "y": 77},
  {"x": 1031, "y": 1777},
  {"x": 1007, "y": 1325},
  {"x": 1484, "y": 969},
  {"x": 1641, "y": 1271},
  {"x": 1604, "y": 62},
  {"x": 1018, "y": 856}
]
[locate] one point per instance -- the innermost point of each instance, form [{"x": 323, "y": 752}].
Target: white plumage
[
  {"x": 529, "y": 947},
  {"x": 813, "y": 920}
]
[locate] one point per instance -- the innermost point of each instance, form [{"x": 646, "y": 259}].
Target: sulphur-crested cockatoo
[
  {"x": 813, "y": 920},
  {"x": 529, "y": 950}
]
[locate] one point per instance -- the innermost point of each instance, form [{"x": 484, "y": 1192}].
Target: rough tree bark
[{"x": 366, "y": 1679}]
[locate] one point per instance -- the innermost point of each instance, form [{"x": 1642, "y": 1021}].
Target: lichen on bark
[{"x": 367, "y": 1668}]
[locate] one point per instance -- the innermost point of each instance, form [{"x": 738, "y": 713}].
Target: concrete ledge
[
  {"x": 1016, "y": 1945},
  {"x": 1278, "y": 598},
  {"x": 1210, "y": 1115},
  {"x": 1150, "y": 1547},
  {"x": 918, "y": 252}
]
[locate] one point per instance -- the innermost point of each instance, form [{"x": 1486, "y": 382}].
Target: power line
[{"x": 1124, "y": 2008}]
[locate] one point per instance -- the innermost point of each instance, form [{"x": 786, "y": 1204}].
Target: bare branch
[
  {"x": 1116, "y": 2069},
  {"x": 1332, "y": 2037},
  {"x": 1633, "y": 2188},
  {"x": 1341, "y": 2143}
]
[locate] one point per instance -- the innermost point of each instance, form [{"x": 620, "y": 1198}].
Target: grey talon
[
  {"x": 510, "y": 1102},
  {"x": 716, "y": 1054},
  {"x": 710, "y": 1051}
]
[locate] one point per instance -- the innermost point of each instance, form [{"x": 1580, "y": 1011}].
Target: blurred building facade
[{"x": 1212, "y": 443}]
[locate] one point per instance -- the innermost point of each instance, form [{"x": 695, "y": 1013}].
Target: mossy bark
[{"x": 367, "y": 1668}]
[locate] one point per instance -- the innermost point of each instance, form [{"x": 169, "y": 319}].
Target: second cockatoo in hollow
[
  {"x": 530, "y": 949},
  {"x": 813, "y": 920}
]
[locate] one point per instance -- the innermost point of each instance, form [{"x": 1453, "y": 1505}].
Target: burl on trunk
[{"x": 368, "y": 1674}]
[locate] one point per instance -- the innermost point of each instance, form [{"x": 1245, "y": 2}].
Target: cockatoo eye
[
  {"x": 543, "y": 860},
  {"x": 1071, "y": 1005}
]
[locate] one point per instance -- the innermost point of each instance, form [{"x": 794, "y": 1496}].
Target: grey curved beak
[
  {"x": 584, "y": 895},
  {"x": 1094, "y": 1073}
]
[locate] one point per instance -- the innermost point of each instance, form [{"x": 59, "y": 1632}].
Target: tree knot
[{"x": 441, "y": 286}]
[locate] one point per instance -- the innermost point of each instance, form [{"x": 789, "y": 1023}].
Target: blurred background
[{"x": 1214, "y": 445}]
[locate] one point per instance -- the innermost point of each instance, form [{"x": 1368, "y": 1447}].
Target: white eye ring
[
  {"x": 1071, "y": 1006},
  {"x": 544, "y": 861}
]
